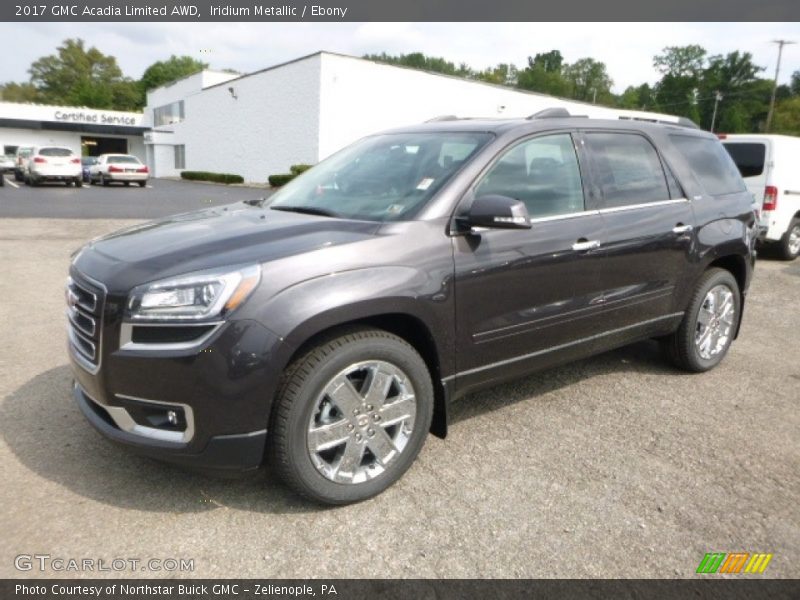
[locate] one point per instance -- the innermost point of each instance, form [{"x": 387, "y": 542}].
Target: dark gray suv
[{"x": 329, "y": 327}]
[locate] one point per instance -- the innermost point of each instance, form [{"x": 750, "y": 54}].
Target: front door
[{"x": 524, "y": 298}]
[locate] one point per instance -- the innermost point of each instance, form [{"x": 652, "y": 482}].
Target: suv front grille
[{"x": 84, "y": 322}]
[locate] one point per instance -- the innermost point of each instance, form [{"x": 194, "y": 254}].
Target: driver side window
[{"x": 543, "y": 173}]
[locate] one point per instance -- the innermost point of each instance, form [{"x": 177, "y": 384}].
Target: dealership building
[
  {"x": 259, "y": 124},
  {"x": 86, "y": 131},
  {"x": 302, "y": 111}
]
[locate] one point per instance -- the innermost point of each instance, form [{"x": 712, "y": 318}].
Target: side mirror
[{"x": 497, "y": 212}]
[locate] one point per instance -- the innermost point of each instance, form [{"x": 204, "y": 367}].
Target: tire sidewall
[
  {"x": 718, "y": 278},
  {"x": 386, "y": 349},
  {"x": 787, "y": 253}
]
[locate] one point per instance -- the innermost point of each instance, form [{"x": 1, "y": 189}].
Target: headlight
[{"x": 193, "y": 297}]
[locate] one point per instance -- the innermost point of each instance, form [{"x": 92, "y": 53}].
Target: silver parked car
[{"x": 124, "y": 168}]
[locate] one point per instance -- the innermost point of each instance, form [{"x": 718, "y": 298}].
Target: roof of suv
[{"x": 534, "y": 123}]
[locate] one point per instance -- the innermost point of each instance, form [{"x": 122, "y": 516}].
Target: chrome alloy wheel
[
  {"x": 715, "y": 322},
  {"x": 794, "y": 240},
  {"x": 362, "y": 422}
]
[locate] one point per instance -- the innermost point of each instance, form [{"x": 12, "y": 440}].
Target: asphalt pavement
[
  {"x": 615, "y": 466},
  {"x": 160, "y": 198}
]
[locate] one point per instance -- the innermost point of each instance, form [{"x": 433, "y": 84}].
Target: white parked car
[
  {"x": 124, "y": 168},
  {"x": 769, "y": 166},
  {"x": 53, "y": 163}
]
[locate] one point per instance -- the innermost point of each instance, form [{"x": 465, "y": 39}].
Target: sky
[{"x": 626, "y": 48}]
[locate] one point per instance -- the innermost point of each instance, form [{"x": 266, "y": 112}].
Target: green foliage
[
  {"x": 589, "y": 81},
  {"x": 786, "y": 119},
  {"x": 19, "y": 92},
  {"x": 226, "y": 178},
  {"x": 544, "y": 74},
  {"x": 172, "y": 69},
  {"x": 281, "y": 179},
  {"x": 417, "y": 60},
  {"x": 301, "y": 168},
  {"x": 80, "y": 76}
]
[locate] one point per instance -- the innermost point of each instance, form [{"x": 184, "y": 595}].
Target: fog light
[{"x": 172, "y": 417}]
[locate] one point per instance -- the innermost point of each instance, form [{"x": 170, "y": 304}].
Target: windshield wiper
[{"x": 307, "y": 210}]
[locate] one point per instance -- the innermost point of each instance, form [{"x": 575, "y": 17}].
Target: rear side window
[
  {"x": 713, "y": 166},
  {"x": 749, "y": 158},
  {"x": 55, "y": 152},
  {"x": 628, "y": 169}
]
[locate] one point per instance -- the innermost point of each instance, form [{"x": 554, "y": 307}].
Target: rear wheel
[
  {"x": 127, "y": 183},
  {"x": 104, "y": 180},
  {"x": 790, "y": 242},
  {"x": 351, "y": 416},
  {"x": 78, "y": 182},
  {"x": 709, "y": 324},
  {"x": 142, "y": 183}
]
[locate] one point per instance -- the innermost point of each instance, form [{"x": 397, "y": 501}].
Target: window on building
[
  {"x": 10, "y": 150},
  {"x": 169, "y": 114},
  {"x": 542, "y": 173},
  {"x": 180, "y": 156},
  {"x": 713, "y": 166},
  {"x": 628, "y": 169}
]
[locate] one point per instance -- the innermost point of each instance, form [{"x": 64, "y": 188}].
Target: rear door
[{"x": 649, "y": 228}]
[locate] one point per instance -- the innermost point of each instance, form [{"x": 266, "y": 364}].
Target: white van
[{"x": 770, "y": 166}]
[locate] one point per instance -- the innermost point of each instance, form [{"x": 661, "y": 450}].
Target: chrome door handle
[
  {"x": 581, "y": 246},
  {"x": 682, "y": 229}
]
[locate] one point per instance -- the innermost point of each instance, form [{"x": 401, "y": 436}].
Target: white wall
[
  {"x": 31, "y": 137},
  {"x": 359, "y": 97},
  {"x": 271, "y": 124}
]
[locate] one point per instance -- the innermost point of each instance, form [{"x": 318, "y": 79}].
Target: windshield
[{"x": 382, "y": 178}]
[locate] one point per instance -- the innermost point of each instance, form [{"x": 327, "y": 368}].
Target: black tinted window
[
  {"x": 628, "y": 169},
  {"x": 542, "y": 172},
  {"x": 713, "y": 166},
  {"x": 749, "y": 158}
]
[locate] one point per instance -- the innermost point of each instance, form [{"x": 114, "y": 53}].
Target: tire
[
  {"x": 104, "y": 181},
  {"x": 127, "y": 183},
  {"x": 304, "y": 404},
  {"x": 18, "y": 176},
  {"x": 78, "y": 182},
  {"x": 685, "y": 348},
  {"x": 142, "y": 183},
  {"x": 789, "y": 246}
]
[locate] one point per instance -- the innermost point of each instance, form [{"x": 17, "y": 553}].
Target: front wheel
[
  {"x": 790, "y": 242},
  {"x": 351, "y": 416},
  {"x": 709, "y": 323}
]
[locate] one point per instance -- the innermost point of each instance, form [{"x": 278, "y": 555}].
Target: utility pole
[
  {"x": 781, "y": 44},
  {"x": 717, "y": 100}
]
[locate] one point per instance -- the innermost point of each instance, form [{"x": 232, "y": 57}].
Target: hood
[{"x": 222, "y": 236}]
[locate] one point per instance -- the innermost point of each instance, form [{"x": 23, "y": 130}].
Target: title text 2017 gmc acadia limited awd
[{"x": 329, "y": 327}]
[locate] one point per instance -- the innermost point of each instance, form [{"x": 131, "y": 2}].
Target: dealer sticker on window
[{"x": 425, "y": 183}]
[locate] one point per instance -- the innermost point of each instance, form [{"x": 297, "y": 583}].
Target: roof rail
[
  {"x": 442, "y": 118},
  {"x": 681, "y": 122},
  {"x": 550, "y": 113}
]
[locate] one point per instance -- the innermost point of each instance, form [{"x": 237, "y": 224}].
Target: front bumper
[{"x": 223, "y": 453}]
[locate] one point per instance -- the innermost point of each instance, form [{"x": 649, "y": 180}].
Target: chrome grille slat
[{"x": 84, "y": 320}]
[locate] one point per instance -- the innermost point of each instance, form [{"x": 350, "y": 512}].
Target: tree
[
  {"x": 172, "y": 69},
  {"x": 77, "y": 76},
  {"x": 544, "y": 74},
  {"x": 681, "y": 61},
  {"x": 794, "y": 86},
  {"x": 589, "y": 81},
  {"x": 18, "y": 92},
  {"x": 787, "y": 117},
  {"x": 637, "y": 98},
  {"x": 745, "y": 97},
  {"x": 502, "y": 74}
]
